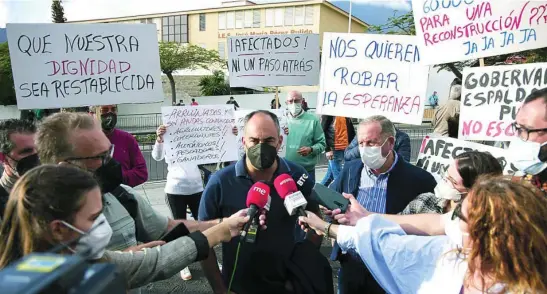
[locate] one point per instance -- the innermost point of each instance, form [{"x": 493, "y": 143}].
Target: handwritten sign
[
  {"x": 240, "y": 124},
  {"x": 364, "y": 75},
  {"x": 277, "y": 60},
  {"x": 199, "y": 134},
  {"x": 455, "y": 30},
  {"x": 70, "y": 65},
  {"x": 491, "y": 97},
  {"x": 437, "y": 154}
]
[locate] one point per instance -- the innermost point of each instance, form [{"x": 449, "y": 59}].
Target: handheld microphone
[
  {"x": 294, "y": 200},
  {"x": 257, "y": 198}
]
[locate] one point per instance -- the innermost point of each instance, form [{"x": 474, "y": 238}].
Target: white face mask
[
  {"x": 372, "y": 156},
  {"x": 96, "y": 240},
  {"x": 524, "y": 156},
  {"x": 294, "y": 108},
  {"x": 445, "y": 190},
  {"x": 453, "y": 230}
]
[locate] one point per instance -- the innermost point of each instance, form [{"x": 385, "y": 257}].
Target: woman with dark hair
[{"x": 456, "y": 182}]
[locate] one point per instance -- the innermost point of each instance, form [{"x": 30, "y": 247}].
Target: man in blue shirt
[
  {"x": 434, "y": 100},
  {"x": 226, "y": 192}
]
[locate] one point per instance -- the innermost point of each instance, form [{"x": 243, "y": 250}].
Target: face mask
[
  {"x": 262, "y": 156},
  {"x": 453, "y": 230},
  {"x": 109, "y": 176},
  {"x": 372, "y": 156},
  {"x": 295, "y": 108},
  {"x": 25, "y": 164},
  {"x": 446, "y": 191},
  {"x": 94, "y": 241},
  {"x": 109, "y": 121},
  {"x": 525, "y": 156}
]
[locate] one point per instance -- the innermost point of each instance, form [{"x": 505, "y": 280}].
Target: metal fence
[{"x": 139, "y": 123}]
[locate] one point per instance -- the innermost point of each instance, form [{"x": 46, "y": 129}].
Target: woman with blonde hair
[
  {"x": 55, "y": 204},
  {"x": 495, "y": 243}
]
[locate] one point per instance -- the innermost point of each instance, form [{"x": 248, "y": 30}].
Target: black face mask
[
  {"x": 262, "y": 156},
  {"x": 109, "y": 176},
  {"x": 109, "y": 121},
  {"x": 26, "y": 163}
]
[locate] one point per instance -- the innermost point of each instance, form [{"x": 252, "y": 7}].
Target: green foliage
[
  {"x": 7, "y": 91},
  {"x": 175, "y": 56},
  {"x": 396, "y": 25},
  {"x": 57, "y": 12},
  {"x": 214, "y": 85}
]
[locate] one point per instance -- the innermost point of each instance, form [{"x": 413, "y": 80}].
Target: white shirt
[{"x": 185, "y": 180}]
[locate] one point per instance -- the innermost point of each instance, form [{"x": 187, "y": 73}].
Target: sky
[{"x": 38, "y": 11}]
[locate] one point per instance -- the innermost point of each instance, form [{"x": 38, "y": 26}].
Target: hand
[
  {"x": 286, "y": 131},
  {"x": 261, "y": 217},
  {"x": 329, "y": 155},
  {"x": 160, "y": 132},
  {"x": 313, "y": 221},
  {"x": 145, "y": 245},
  {"x": 304, "y": 151},
  {"x": 235, "y": 131},
  {"x": 235, "y": 224},
  {"x": 354, "y": 213}
]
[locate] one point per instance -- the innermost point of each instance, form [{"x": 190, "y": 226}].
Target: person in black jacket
[{"x": 339, "y": 132}]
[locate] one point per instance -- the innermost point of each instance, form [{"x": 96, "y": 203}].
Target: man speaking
[{"x": 226, "y": 193}]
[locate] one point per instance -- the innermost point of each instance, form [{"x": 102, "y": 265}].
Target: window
[
  {"x": 222, "y": 21},
  {"x": 256, "y": 18},
  {"x": 175, "y": 28},
  {"x": 289, "y": 16},
  {"x": 230, "y": 20},
  {"x": 248, "y": 19},
  {"x": 309, "y": 15},
  {"x": 299, "y": 15},
  {"x": 270, "y": 15},
  {"x": 202, "y": 22},
  {"x": 154, "y": 21},
  {"x": 221, "y": 50},
  {"x": 278, "y": 17},
  {"x": 239, "y": 19}
]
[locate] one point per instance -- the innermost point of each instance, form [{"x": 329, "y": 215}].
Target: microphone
[
  {"x": 257, "y": 198},
  {"x": 294, "y": 200}
]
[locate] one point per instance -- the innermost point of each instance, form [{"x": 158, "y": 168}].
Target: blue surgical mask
[{"x": 525, "y": 156}]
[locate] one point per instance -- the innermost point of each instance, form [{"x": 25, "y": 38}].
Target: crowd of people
[{"x": 475, "y": 231}]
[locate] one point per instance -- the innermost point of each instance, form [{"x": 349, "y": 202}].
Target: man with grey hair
[{"x": 386, "y": 184}]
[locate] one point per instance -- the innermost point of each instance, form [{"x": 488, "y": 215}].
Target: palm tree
[{"x": 214, "y": 85}]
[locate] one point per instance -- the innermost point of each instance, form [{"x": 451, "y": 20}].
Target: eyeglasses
[
  {"x": 105, "y": 157},
  {"x": 523, "y": 132},
  {"x": 458, "y": 213}
]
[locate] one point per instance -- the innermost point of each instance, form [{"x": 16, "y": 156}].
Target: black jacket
[{"x": 326, "y": 122}]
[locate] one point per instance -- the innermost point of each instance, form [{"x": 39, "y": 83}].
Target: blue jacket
[
  {"x": 405, "y": 183},
  {"x": 402, "y": 147}
]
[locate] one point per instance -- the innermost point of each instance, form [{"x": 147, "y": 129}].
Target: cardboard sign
[
  {"x": 276, "y": 60},
  {"x": 71, "y": 65},
  {"x": 456, "y": 30},
  {"x": 199, "y": 134},
  {"x": 492, "y": 96},
  {"x": 437, "y": 154},
  {"x": 364, "y": 75},
  {"x": 240, "y": 117}
]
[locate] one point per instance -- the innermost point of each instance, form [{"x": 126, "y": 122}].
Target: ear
[
  {"x": 280, "y": 141},
  {"x": 59, "y": 232}
]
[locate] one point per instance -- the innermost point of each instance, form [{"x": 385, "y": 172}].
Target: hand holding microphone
[
  {"x": 294, "y": 200},
  {"x": 257, "y": 199}
]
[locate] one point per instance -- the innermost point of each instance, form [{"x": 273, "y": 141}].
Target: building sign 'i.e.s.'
[{"x": 70, "y": 65}]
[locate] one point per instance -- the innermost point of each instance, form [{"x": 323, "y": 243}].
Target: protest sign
[
  {"x": 199, "y": 134},
  {"x": 365, "y": 74},
  {"x": 491, "y": 97},
  {"x": 437, "y": 153},
  {"x": 456, "y": 30},
  {"x": 276, "y": 60},
  {"x": 70, "y": 65},
  {"x": 240, "y": 117}
]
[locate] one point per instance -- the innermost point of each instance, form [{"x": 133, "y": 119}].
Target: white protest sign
[
  {"x": 240, "y": 117},
  {"x": 491, "y": 97},
  {"x": 437, "y": 153},
  {"x": 70, "y": 65},
  {"x": 364, "y": 75},
  {"x": 456, "y": 30},
  {"x": 276, "y": 60},
  {"x": 199, "y": 134}
]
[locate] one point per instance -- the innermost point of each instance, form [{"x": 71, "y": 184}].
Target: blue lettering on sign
[
  {"x": 508, "y": 39},
  {"x": 393, "y": 51},
  {"x": 367, "y": 78},
  {"x": 330, "y": 97},
  {"x": 341, "y": 48},
  {"x": 528, "y": 35}
]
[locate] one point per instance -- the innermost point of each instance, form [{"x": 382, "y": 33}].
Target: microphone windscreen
[
  {"x": 284, "y": 185},
  {"x": 258, "y": 195}
]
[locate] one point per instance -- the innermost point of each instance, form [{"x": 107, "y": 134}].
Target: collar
[
  {"x": 241, "y": 171},
  {"x": 297, "y": 116},
  {"x": 395, "y": 160}
]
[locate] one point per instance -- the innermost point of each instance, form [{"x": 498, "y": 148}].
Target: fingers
[
  {"x": 348, "y": 196},
  {"x": 336, "y": 212},
  {"x": 341, "y": 219}
]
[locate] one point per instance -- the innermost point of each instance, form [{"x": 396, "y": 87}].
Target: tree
[
  {"x": 214, "y": 85},
  {"x": 175, "y": 56},
  {"x": 7, "y": 91},
  {"x": 396, "y": 25},
  {"x": 57, "y": 12}
]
